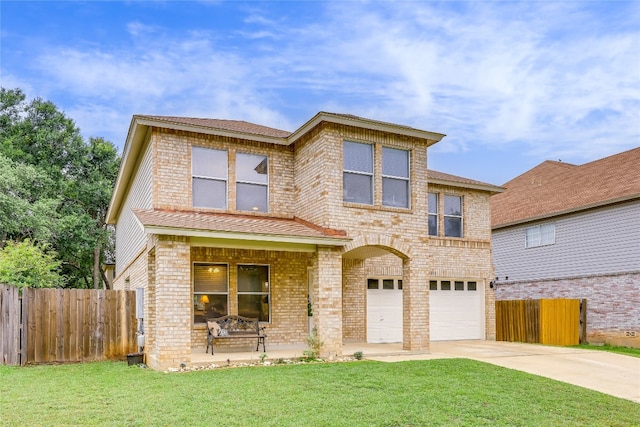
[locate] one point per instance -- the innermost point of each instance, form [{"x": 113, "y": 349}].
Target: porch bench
[{"x": 230, "y": 327}]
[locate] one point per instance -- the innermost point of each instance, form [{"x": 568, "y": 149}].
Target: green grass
[
  {"x": 449, "y": 392},
  {"x": 629, "y": 351}
]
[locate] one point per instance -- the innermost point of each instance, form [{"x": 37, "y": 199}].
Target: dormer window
[{"x": 358, "y": 173}]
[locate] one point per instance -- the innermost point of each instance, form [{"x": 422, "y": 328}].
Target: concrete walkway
[{"x": 606, "y": 372}]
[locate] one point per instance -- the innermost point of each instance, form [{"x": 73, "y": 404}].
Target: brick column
[
  {"x": 328, "y": 300},
  {"x": 172, "y": 300},
  {"x": 415, "y": 302}
]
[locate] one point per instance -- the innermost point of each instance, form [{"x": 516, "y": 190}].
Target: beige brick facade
[{"x": 305, "y": 182}]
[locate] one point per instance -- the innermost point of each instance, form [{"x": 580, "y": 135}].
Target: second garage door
[{"x": 457, "y": 310}]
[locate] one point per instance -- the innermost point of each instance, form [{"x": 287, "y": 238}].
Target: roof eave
[
  {"x": 234, "y": 235},
  {"x": 567, "y": 211},
  {"x": 133, "y": 146},
  {"x": 432, "y": 137},
  {"x": 474, "y": 186}
]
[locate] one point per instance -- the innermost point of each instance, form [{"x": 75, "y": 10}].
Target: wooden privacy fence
[
  {"x": 544, "y": 321},
  {"x": 68, "y": 325}
]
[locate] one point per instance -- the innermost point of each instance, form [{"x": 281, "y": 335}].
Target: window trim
[
  {"x": 239, "y": 181},
  {"x": 268, "y": 293},
  {"x": 406, "y": 179},
  {"x": 540, "y": 242},
  {"x": 435, "y": 214},
  {"x": 371, "y": 174},
  {"x": 224, "y": 179},
  {"x": 461, "y": 216},
  {"x": 193, "y": 285}
]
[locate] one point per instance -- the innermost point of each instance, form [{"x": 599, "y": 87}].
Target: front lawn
[{"x": 444, "y": 392}]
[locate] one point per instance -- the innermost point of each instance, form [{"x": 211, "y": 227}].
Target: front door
[{"x": 384, "y": 310}]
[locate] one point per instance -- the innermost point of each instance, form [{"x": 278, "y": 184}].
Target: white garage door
[
  {"x": 384, "y": 310},
  {"x": 457, "y": 310}
]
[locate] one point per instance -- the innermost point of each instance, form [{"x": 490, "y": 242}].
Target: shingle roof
[
  {"x": 553, "y": 188},
  {"x": 234, "y": 223},
  {"x": 232, "y": 125}
]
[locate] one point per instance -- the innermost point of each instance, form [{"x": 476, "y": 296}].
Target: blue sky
[{"x": 511, "y": 84}]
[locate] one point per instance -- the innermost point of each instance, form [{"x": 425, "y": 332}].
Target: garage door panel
[{"x": 456, "y": 315}]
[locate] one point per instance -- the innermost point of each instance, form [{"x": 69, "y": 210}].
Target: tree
[
  {"x": 28, "y": 265},
  {"x": 80, "y": 176},
  {"x": 24, "y": 211}
]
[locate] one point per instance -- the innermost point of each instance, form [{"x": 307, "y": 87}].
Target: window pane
[
  {"x": 253, "y": 278},
  {"x": 209, "y": 163},
  {"x": 209, "y": 193},
  {"x": 532, "y": 236},
  {"x": 387, "y": 284},
  {"x": 252, "y": 168},
  {"x": 372, "y": 283},
  {"x": 433, "y": 285},
  {"x": 459, "y": 286},
  {"x": 433, "y": 203},
  {"x": 252, "y": 305},
  {"x": 210, "y": 278},
  {"x": 452, "y": 227},
  {"x": 358, "y": 188},
  {"x": 395, "y": 162},
  {"x": 400, "y": 284},
  {"x": 547, "y": 234},
  {"x": 453, "y": 205},
  {"x": 358, "y": 157},
  {"x": 395, "y": 192},
  {"x": 209, "y": 305},
  {"x": 433, "y": 225},
  {"x": 251, "y": 197},
  {"x": 471, "y": 286},
  {"x": 445, "y": 285}
]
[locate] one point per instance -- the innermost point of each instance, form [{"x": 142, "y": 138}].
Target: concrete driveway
[{"x": 603, "y": 371}]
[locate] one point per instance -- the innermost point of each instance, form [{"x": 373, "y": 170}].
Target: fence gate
[{"x": 544, "y": 321}]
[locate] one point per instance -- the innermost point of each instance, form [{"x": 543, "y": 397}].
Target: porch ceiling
[{"x": 238, "y": 227}]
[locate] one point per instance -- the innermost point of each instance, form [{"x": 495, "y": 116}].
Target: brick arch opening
[{"x": 369, "y": 246}]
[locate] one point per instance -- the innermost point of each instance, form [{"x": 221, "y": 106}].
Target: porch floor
[{"x": 274, "y": 352}]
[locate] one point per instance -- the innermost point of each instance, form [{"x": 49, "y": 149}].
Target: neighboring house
[
  {"x": 335, "y": 219},
  {"x": 568, "y": 231}
]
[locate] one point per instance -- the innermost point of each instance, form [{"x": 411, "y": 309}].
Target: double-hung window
[
  {"x": 209, "y": 178},
  {"x": 252, "y": 182},
  {"x": 395, "y": 177},
  {"x": 452, "y": 216},
  {"x": 540, "y": 235},
  {"x": 210, "y": 291},
  {"x": 358, "y": 173},
  {"x": 253, "y": 291},
  {"x": 433, "y": 214}
]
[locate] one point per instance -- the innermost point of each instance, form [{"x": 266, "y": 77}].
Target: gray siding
[
  {"x": 600, "y": 241},
  {"x": 130, "y": 236}
]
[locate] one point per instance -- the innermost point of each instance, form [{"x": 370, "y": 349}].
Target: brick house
[
  {"x": 567, "y": 231},
  {"x": 339, "y": 219}
]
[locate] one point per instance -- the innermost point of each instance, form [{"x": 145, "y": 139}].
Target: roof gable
[{"x": 555, "y": 188}]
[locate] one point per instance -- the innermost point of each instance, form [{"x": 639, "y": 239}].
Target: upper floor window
[
  {"x": 395, "y": 177},
  {"x": 358, "y": 173},
  {"x": 253, "y": 291},
  {"x": 540, "y": 235},
  {"x": 433, "y": 214},
  {"x": 209, "y": 177},
  {"x": 210, "y": 291},
  {"x": 452, "y": 216},
  {"x": 252, "y": 182}
]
